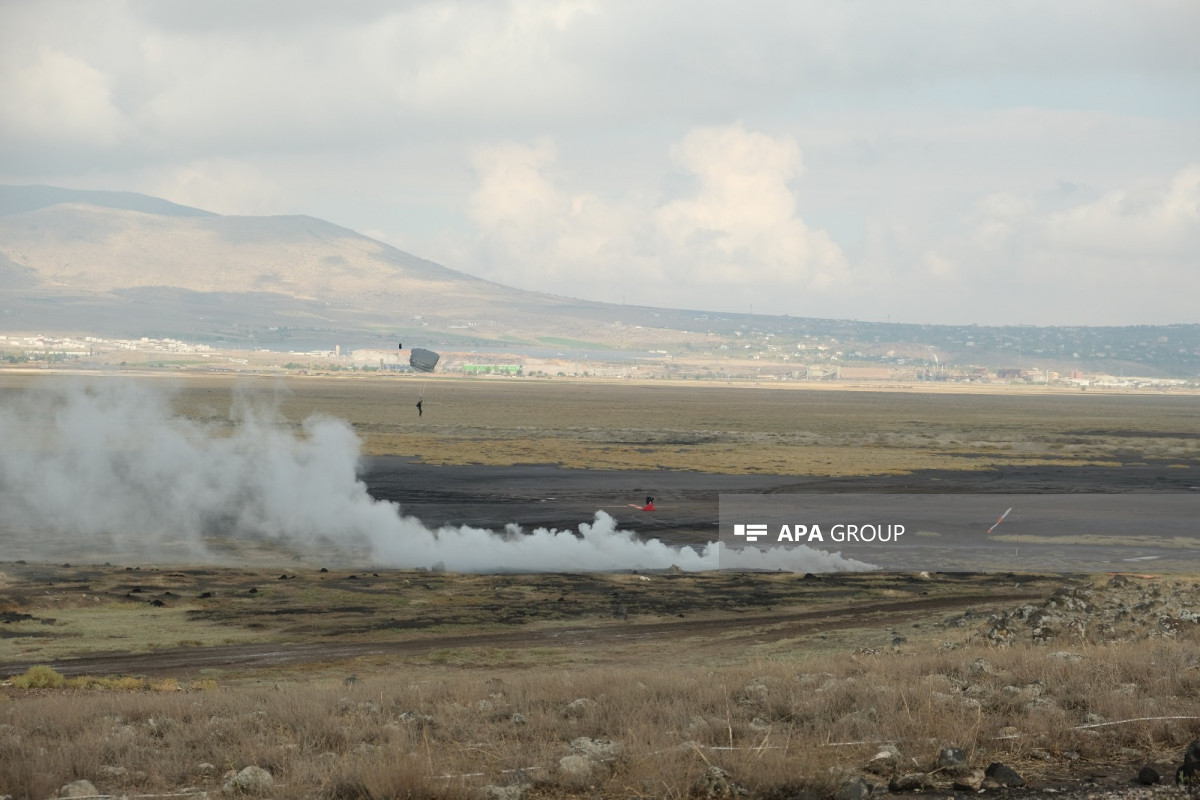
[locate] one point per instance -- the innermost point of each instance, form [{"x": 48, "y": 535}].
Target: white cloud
[
  {"x": 58, "y": 98},
  {"x": 734, "y": 235},
  {"x": 1158, "y": 222},
  {"x": 977, "y": 149},
  {"x": 741, "y": 224},
  {"x": 1128, "y": 256},
  {"x": 517, "y": 203}
]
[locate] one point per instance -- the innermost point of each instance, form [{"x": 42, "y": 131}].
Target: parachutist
[{"x": 420, "y": 411}]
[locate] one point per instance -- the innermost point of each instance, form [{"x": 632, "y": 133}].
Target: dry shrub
[
  {"x": 39, "y": 676},
  {"x": 117, "y": 684},
  {"x": 384, "y": 777}
]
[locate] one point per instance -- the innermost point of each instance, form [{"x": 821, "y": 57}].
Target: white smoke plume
[{"x": 107, "y": 469}]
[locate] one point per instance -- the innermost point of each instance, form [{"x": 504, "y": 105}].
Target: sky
[{"x": 928, "y": 161}]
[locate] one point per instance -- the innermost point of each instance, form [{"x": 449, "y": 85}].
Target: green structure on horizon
[{"x": 492, "y": 369}]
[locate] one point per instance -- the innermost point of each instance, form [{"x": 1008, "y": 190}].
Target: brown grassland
[
  {"x": 785, "y": 429},
  {"x": 737, "y": 429},
  {"x": 368, "y": 684}
]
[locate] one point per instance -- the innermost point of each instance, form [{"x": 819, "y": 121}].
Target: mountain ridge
[
  {"x": 128, "y": 265},
  {"x": 18, "y": 199}
]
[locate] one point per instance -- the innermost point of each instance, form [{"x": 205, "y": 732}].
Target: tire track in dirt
[{"x": 189, "y": 662}]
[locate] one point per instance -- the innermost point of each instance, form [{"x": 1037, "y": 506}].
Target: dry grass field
[
  {"x": 759, "y": 429},
  {"x": 167, "y": 679},
  {"x": 752, "y": 428}
]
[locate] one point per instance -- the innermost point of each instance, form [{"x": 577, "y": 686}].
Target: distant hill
[
  {"x": 110, "y": 261},
  {"x": 19, "y": 199},
  {"x": 121, "y": 264}
]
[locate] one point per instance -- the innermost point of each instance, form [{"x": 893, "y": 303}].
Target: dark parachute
[{"x": 423, "y": 360}]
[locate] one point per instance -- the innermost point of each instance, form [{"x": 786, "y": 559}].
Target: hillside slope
[
  {"x": 83, "y": 256},
  {"x": 125, "y": 265}
]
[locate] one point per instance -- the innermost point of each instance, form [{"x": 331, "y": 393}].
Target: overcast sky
[{"x": 941, "y": 161}]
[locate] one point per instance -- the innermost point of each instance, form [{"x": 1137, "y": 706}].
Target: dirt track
[{"x": 754, "y": 628}]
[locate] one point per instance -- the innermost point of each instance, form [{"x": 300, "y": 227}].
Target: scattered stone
[
  {"x": 951, "y": 759},
  {"x": 518, "y": 719},
  {"x": 752, "y": 694},
  {"x": 579, "y": 707},
  {"x": 981, "y": 666},
  {"x": 909, "y": 782},
  {"x": 969, "y": 781},
  {"x": 1003, "y": 775},
  {"x": 251, "y": 780},
  {"x": 699, "y": 724},
  {"x": 1189, "y": 773},
  {"x": 513, "y": 792},
  {"x": 575, "y": 767},
  {"x": 596, "y": 749},
  {"x": 1148, "y": 776},
  {"x": 78, "y": 789},
  {"x": 885, "y": 762},
  {"x": 715, "y": 784},
  {"x": 853, "y": 789}
]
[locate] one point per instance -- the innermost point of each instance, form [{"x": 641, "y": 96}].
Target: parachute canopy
[{"x": 423, "y": 360}]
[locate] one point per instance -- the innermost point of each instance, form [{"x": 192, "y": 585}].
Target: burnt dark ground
[
  {"x": 687, "y": 503},
  {"x": 545, "y": 495},
  {"x": 534, "y": 496}
]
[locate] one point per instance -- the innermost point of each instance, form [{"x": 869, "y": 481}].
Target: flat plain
[{"x": 345, "y": 679}]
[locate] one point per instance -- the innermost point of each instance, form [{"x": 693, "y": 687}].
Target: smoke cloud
[{"x": 108, "y": 469}]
